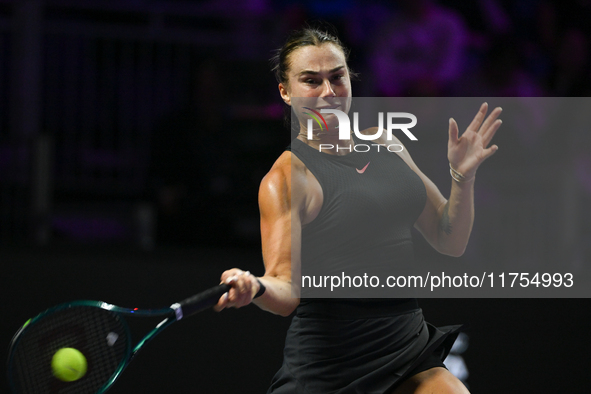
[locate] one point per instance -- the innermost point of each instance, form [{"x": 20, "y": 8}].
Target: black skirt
[{"x": 370, "y": 355}]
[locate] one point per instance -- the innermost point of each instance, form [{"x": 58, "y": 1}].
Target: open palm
[{"x": 467, "y": 152}]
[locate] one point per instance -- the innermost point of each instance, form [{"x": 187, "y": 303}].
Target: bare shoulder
[
  {"x": 287, "y": 173},
  {"x": 287, "y": 168},
  {"x": 435, "y": 380}
]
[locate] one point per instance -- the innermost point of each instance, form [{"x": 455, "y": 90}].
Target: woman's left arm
[{"x": 447, "y": 224}]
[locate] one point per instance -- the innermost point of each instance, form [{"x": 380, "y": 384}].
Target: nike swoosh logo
[{"x": 361, "y": 171}]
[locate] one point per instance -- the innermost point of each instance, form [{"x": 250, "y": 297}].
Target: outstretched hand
[{"x": 468, "y": 152}]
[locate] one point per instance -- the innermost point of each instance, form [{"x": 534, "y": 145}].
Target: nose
[{"x": 327, "y": 89}]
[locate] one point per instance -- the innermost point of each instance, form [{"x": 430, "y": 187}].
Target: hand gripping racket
[{"x": 99, "y": 331}]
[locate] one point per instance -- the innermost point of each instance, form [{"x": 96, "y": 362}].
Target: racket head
[
  {"x": 93, "y": 327},
  {"x": 96, "y": 329}
]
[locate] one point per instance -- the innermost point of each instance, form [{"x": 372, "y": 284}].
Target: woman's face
[
  {"x": 320, "y": 76},
  {"x": 317, "y": 71}
]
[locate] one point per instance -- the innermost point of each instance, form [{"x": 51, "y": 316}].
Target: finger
[
  {"x": 241, "y": 291},
  {"x": 490, "y": 133},
  {"x": 247, "y": 292},
  {"x": 222, "y": 302},
  {"x": 229, "y": 273},
  {"x": 241, "y": 284},
  {"x": 250, "y": 280},
  {"x": 231, "y": 280},
  {"x": 491, "y": 119},
  {"x": 489, "y": 152},
  {"x": 225, "y": 276},
  {"x": 453, "y": 131},
  {"x": 477, "y": 121}
]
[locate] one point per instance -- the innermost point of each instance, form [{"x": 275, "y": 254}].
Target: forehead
[{"x": 322, "y": 57}]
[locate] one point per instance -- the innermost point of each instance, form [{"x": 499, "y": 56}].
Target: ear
[{"x": 284, "y": 94}]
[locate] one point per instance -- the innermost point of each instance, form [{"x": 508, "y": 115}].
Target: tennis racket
[{"x": 99, "y": 331}]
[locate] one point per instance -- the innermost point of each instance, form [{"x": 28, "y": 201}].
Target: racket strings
[{"x": 100, "y": 335}]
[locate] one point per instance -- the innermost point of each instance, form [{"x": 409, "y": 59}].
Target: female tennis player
[{"x": 354, "y": 345}]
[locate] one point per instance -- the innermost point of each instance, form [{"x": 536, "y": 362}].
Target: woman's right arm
[{"x": 280, "y": 236}]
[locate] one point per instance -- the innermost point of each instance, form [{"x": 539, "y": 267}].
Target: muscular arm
[{"x": 280, "y": 235}]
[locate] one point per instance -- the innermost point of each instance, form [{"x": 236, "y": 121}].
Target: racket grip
[{"x": 199, "y": 302}]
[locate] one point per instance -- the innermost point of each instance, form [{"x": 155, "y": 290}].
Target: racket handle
[{"x": 199, "y": 302}]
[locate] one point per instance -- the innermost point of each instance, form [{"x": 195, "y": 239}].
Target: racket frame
[
  {"x": 130, "y": 350},
  {"x": 175, "y": 312}
]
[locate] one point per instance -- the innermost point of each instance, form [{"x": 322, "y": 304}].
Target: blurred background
[{"x": 134, "y": 135}]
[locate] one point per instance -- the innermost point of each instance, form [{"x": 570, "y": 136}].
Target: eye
[{"x": 310, "y": 81}]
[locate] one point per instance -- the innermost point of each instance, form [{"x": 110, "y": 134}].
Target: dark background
[{"x": 134, "y": 135}]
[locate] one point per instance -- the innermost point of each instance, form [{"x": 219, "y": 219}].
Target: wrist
[
  {"x": 261, "y": 289},
  {"x": 458, "y": 177}
]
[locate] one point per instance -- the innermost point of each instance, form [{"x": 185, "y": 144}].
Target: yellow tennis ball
[{"x": 68, "y": 364}]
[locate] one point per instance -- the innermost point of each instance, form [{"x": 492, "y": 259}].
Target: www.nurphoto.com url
[{"x": 433, "y": 282}]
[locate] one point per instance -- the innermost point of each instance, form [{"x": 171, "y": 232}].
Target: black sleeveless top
[{"x": 371, "y": 200}]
